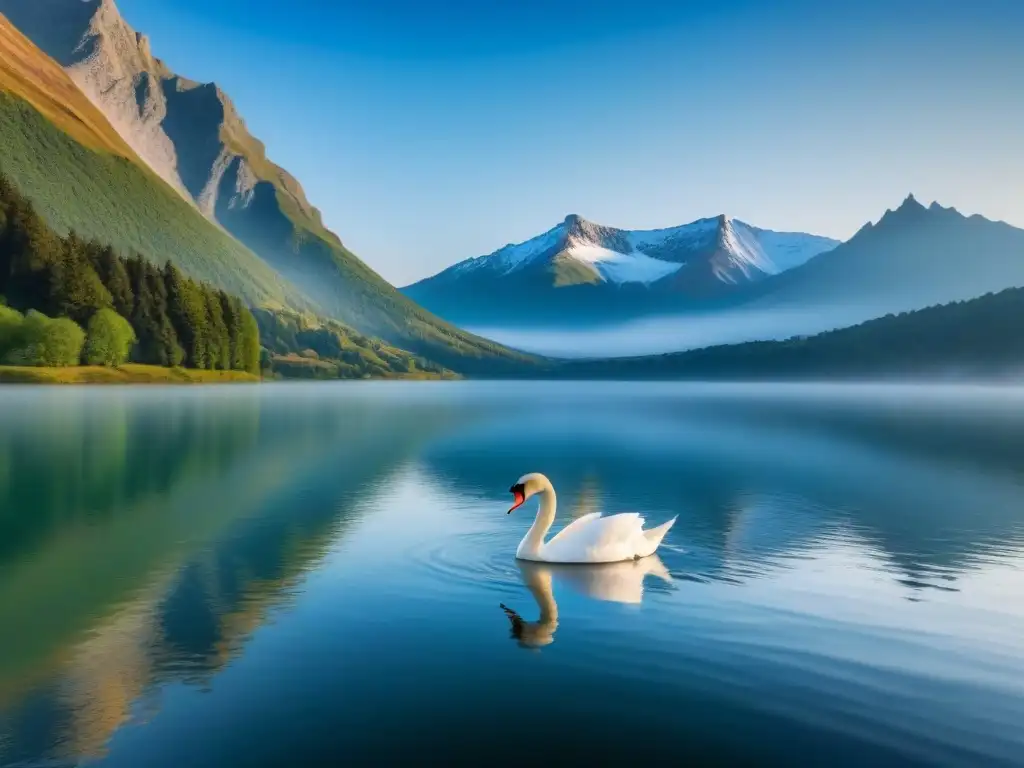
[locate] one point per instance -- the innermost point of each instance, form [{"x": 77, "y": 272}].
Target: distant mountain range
[
  {"x": 914, "y": 257},
  {"x": 180, "y": 177},
  {"x": 580, "y": 272}
]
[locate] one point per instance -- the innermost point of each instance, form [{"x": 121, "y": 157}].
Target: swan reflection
[{"x": 611, "y": 582}]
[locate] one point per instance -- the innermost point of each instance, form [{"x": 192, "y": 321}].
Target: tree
[
  {"x": 167, "y": 350},
  {"x": 32, "y": 247},
  {"x": 109, "y": 340},
  {"x": 186, "y": 309},
  {"x": 233, "y": 310},
  {"x": 157, "y": 340},
  {"x": 219, "y": 339},
  {"x": 250, "y": 343},
  {"x": 266, "y": 363},
  {"x": 48, "y": 342},
  {"x": 114, "y": 274},
  {"x": 75, "y": 290},
  {"x": 12, "y": 325}
]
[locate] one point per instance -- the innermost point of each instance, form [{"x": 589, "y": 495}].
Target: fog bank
[{"x": 651, "y": 336}]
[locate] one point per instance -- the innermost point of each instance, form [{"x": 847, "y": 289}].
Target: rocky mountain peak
[{"x": 189, "y": 132}]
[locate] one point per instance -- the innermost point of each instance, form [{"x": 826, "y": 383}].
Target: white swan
[{"x": 588, "y": 539}]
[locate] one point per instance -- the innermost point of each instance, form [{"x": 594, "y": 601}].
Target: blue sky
[{"x": 428, "y": 132}]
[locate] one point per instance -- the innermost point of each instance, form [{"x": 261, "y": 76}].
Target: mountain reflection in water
[{"x": 262, "y": 575}]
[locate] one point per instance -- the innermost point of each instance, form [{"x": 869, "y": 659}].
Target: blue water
[{"x": 311, "y": 574}]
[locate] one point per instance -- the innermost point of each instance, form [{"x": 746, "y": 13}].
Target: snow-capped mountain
[{"x": 638, "y": 268}]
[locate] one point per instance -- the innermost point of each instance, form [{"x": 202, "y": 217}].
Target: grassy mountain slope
[
  {"x": 977, "y": 337},
  {"x": 61, "y": 152}
]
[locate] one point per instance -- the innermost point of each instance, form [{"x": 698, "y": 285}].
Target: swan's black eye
[{"x": 518, "y": 488}]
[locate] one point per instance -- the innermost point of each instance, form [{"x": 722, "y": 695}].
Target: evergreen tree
[
  {"x": 33, "y": 247},
  {"x": 144, "y": 318},
  {"x": 75, "y": 290},
  {"x": 250, "y": 344},
  {"x": 232, "y": 309},
  {"x": 187, "y": 312},
  {"x": 220, "y": 345},
  {"x": 166, "y": 347},
  {"x": 114, "y": 274}
]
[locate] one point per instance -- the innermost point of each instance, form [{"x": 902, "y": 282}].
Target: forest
[{"x": 69, "y": 301}]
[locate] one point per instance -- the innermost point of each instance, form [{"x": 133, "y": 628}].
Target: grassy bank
[{"x": 125, "y": 374}]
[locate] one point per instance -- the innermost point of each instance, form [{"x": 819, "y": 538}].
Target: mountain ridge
[
  {"x": 580, "y": 266},
  {"x": 914, "y": 256}
]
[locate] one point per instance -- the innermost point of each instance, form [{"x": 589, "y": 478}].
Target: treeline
[
  {"x": 979, "y": 337},
  {"x": 132, "y": 308}
]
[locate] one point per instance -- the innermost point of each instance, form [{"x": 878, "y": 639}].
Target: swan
[
  {"x": 621, "y": 582},
  {"x": 587, "y": 539}
]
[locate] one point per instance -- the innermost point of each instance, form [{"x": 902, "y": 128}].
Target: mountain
[
  {"x": 979, "y": 337},
  {"x": 580, "y": 272},
  {"x": 191, "y": 136},
  {"x": 60, "y": 150},
  {"x": 914, "y": 257}
]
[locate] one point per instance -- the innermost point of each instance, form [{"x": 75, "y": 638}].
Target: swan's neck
[{"x": 533, "y": 542}]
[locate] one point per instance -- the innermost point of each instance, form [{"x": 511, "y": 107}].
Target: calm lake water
[{"x": 298, "y": 574}]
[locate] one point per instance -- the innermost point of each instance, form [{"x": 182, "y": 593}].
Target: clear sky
[{"x": 429, "y": 131}]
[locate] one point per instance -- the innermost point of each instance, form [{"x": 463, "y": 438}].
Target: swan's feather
[
  {"x": 593, "y": 538},
  {"x": 575, "y": 525}
]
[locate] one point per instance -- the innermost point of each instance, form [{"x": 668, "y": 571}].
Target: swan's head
[{"x": 527, "y": 486}]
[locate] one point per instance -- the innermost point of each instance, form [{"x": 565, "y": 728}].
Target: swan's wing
[
  {"x": 575, "y": 525},
  {"x": 593, "y": 538}
]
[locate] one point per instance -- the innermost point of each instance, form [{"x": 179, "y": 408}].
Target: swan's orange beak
[{"x": 519, "y": 497}]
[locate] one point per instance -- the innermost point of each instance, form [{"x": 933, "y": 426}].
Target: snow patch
[
  {"x": 615, "y": 267},
  {"x": 745, "y": 253},
  {"x": 515, "y": 255},
  {"x": 791, "y": 249},
  {"x": 653, "y": 238}
]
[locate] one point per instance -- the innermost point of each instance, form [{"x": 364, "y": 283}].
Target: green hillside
[{"x": 110, "y": 198}]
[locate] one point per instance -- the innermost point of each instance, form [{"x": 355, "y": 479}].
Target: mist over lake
[
  {"x": 657, "y": 335},
  {"x": 284, "y": 574}
]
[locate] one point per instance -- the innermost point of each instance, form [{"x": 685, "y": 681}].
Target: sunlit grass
[{"x": 125, "y": 374}]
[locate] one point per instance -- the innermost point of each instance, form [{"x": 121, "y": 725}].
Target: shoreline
[{"x": 129, "y": 373}]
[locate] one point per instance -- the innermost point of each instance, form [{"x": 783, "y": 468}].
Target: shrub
[
  {"x": 47, "y": 342},
  {"x": 110, "y": 339}
]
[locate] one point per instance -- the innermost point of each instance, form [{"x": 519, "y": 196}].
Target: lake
[{"x": 297, "y": 574}]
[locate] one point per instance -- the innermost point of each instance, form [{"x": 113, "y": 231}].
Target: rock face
[
  {"x": 112, "y": 64},
  {"x": 189, "y": 133}
]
